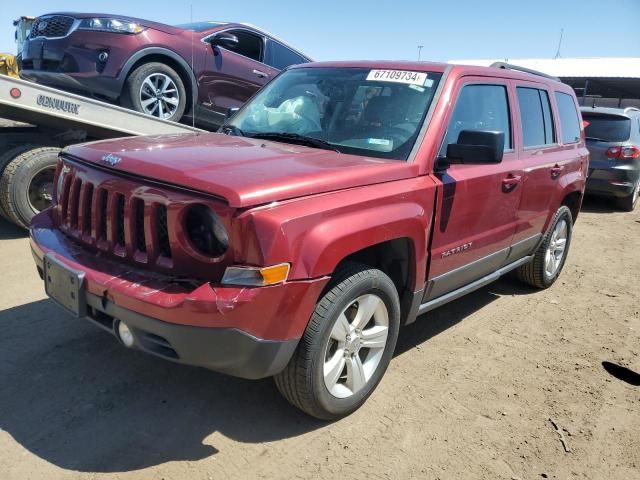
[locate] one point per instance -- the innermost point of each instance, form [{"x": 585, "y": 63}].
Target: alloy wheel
[
  {"x": 556, "y": 249},
  {"x": 355, "y": 346},
  {"x": 159, "y": 96}
]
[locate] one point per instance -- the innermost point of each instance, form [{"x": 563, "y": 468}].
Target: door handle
[
  {"x": 511, "y": 182},
  {"x": 556, "y": 170},
  {"x": 260, "y": 73}
]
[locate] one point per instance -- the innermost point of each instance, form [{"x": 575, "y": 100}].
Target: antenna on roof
[
  {"x": 559, "y": 44},
  {"x": 420, "y": 47}
]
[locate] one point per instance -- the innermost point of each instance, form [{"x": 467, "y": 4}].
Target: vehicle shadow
[
  {"x": 592, "y": 204},
  {"x": 437, "y": 321},
  {"x": 74, "y": 397},
  {"x": 9, "y": 231}
]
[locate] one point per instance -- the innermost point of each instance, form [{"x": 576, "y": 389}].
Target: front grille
[
  {"x": 134, "y": 222},
  {"x": 101, "y": 219},
  {"x": 51, "y": 27}
]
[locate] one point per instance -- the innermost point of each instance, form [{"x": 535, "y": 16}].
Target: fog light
[
  {"x": 125, "y": 335},
  {"x": 103, "y": 56}
]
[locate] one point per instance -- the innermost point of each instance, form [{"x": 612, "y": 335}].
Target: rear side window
[
  {"x": 535, "y": 117},
  {"x": 280, "y": 57},
  {"x": 569, "y": 120},
  {"x": 607, "y": 128},
  {"x": 479, "y": 107}
]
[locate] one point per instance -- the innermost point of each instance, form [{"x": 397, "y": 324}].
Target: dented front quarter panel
[{"x": 315, "y": 233}]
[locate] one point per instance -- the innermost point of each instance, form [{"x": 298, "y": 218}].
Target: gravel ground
[{"x": 474, "y": 390}]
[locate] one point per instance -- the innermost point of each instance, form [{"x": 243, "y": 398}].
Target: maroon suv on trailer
[
  {"x": 158, "y": 69},
  {"x": 341, "y": 202}
]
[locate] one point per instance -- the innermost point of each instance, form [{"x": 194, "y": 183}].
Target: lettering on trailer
[
  {"x": 57, "y": 104},
  {"x": 459, "y": 249}
]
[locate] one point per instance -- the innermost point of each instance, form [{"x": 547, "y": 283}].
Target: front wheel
[
  {"x": 156, "y": 89},
  {"x": 347, "y": 346}
]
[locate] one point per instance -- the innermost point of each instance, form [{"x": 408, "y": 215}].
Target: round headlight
[{"x": 206, "y": 232}]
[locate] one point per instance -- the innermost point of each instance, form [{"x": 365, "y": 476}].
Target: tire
[
  {"x": 138, "y": 90},
  {"x": 628, "y": 203},
  {"x": 5, "y": 158},
  {"x": 355, "y": 288},
  {"x": 536, "y": 273},
  {"x": 27, "y": 184}
]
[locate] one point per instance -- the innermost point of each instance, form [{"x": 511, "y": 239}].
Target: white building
[{"x": 607, "y": 81}]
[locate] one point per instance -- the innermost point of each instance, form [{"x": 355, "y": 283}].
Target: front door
[
  {"x": 476, "y": 217},
  {"x": 231, "y": 77}
]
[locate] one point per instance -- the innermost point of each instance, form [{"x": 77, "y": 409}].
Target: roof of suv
[
  {"x": 440, "y": 67},
  {"x": 626, "y": 112}
]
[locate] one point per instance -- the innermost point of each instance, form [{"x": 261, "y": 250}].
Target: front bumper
[
  {"x": 615, "y": 181},
  {"x": 73, "y": 63},
  {"x": 245, "y": 332}
]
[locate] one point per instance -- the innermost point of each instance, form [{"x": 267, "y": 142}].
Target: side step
[{"x": 481, "y": 282}]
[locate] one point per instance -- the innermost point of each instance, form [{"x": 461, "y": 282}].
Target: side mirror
[
  {"x": 224, "y": 40},
  {"x": 476, "y": 147}
]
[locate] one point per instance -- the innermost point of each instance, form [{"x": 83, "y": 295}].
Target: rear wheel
[
  {"x": 628, "y": 203},
  {"x": 347, "y": 345},
  {"x": 156, "y": 89},
  {"x": 26, "y": 186},
  {"x": 551, "y": 255}
]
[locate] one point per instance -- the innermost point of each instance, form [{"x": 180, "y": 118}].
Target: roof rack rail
[{"x": 509, "y": 66}]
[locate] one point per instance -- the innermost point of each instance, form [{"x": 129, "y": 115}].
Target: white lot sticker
[{"x": 398, "y": 76}]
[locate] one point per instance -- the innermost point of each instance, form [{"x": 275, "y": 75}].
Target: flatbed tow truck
[{"x": 54, "y": 119}]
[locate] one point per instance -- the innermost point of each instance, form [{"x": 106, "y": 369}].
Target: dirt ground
[{"x": 469, "y": 395}]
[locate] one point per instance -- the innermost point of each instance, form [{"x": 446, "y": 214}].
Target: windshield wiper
[
  {"x": 596, "y": 139},
  {"x": 296, "y": 138},
  {"x": 232, "y": 130}
]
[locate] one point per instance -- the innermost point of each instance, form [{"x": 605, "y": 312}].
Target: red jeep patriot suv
[{"x": 341, "y": 202}]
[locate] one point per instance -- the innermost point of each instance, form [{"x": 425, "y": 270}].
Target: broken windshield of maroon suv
[
  {"x": 156, "y": 69},
  {"x": 342, "y": 201}
]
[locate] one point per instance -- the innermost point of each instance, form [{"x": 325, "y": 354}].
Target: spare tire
[{"x": 26, "y": 185}]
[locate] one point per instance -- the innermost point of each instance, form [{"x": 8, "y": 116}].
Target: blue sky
[{"x": 356, "y": 29}]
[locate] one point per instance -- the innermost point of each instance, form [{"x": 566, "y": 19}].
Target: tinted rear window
[
  {"x": 280, "y": 57},
  {"x": 568, "y": 118},
  {"x": 609, "y": 128},
  {"x": 535, "y": 115}
]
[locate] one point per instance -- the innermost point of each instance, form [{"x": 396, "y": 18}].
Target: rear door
[
  {"x": 476, "y": 217},
  {"x": 231, "y": 77},
  {"x": 543, "y": 159}
]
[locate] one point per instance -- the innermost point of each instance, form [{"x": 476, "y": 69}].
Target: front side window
[
  {"x": 280, "y": 57},
  {"x": 479, "y": 107},
  {"x": 249, "y": 45},
  {"x": 535, "y": 117},
  {"x": 353, "y": 110},
  {"x": 569, "y": 120}
]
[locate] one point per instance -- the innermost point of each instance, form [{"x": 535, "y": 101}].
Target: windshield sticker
[
  {"x": 399, "y": 76},
  {"x": 379, "y": 141}
]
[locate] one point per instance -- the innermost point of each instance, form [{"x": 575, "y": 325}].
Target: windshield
[
  {"x": 352, "y": 110},
  {"x": 608, "y": 128}
]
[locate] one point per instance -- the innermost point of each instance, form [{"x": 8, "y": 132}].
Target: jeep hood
[{"x": 243, "y": 171}]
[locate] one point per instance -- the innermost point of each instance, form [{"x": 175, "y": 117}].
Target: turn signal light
[{"x": 255, "y": 276}]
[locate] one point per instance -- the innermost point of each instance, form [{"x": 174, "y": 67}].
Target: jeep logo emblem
[{"x": 111, "y": 159}]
